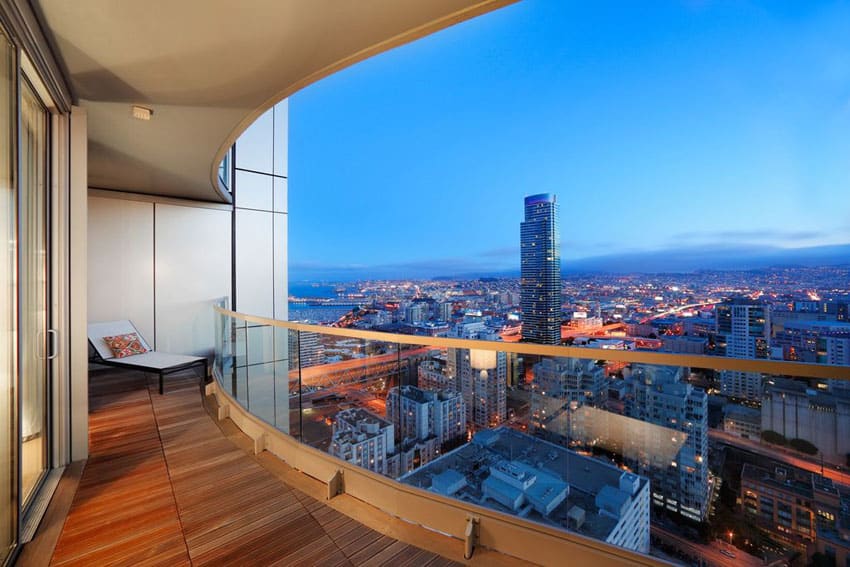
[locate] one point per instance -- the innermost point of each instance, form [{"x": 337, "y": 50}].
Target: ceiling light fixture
[{"x": 142, "y": 113}]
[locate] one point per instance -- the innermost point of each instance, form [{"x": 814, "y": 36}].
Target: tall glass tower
[{"x": 540, "y": 253}]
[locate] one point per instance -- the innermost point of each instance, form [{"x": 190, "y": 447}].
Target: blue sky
[{"x": 659, "y": 125}]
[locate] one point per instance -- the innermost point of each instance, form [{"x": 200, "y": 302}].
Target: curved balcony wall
[{"x": 436, "y": 431}]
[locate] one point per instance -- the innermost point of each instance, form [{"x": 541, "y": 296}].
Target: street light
[{"x": 730, "y": 534}]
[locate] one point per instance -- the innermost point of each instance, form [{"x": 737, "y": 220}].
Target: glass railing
[{"x": 635, "y": 449}]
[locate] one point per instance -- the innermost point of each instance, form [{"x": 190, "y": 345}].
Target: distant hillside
[{"x": 702, "y": 258}]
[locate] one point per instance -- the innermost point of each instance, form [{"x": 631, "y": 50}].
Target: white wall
[
  {"x": 120, "y": 267},
  {"x": 159, "y": 264},
  {"x": 192, "y": 270}
]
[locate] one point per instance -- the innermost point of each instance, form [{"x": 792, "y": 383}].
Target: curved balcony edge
[{"x": 500, "y": 532}]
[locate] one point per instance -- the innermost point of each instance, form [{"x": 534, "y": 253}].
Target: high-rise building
[
  {"x": 480, "y": 375},
  {"x": 573, "y": 379},
  {"x": 742, "y": 330},
  {"x": 364, "y": 439},
  {"x": 483, "y": 383},
  {"x": 421, "y": 414},
  {"x": 305, "y": 349},
  {"x": 657, "y": 395},
  {"x": 540, "y": 271},
  {"x": 794, "y": 506},
  {"x": 416, "y": 312},
  {"x": 444, "y": 311},
  {"x": 431, "y": 375},
  {"x": 560, "y": 386}
]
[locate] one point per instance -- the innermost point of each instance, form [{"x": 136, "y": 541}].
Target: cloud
[
  {"x": 505, "y": 251},
  {"x": 744, "y": 236},
  {"x": 712, "y": 257},
  {"x": 416, "y": 269}
]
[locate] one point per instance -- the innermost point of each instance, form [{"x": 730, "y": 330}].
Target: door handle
[{"x": 54, "y": 343}]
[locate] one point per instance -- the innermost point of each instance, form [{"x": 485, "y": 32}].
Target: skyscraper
[
  {"x": 658, "y": 395},
  {"x": 481, "y": 376},
  {"x": 742, "y": 331},
  {"x": 540, "y": 256}
]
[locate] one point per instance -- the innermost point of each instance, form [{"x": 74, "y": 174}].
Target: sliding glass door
[
  {"x": 8, "y": 302},
  {"x": 34, "y": 317}
]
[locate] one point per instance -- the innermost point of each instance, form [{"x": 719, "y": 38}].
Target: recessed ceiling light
[{"x": 142, "y": 113}]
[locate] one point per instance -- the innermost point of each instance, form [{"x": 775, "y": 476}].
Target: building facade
[
  {"x": 560, "y": 386},
  {"x": 481, "y": 376},
  {"x": 540, "y": 271},
  {"x": 364, "y": 439},
  {"x": 794, "y": 506},
  {"x": 657, "y": 395},
  {"x": 422, "y": 414},
  {"x": 796, "y": 411},
  {"x": 742, "y": 330}
]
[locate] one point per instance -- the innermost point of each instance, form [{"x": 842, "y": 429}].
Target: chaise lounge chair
[{"x": 114, "y": 345}]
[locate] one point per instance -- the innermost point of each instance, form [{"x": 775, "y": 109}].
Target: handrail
[
  {"x": 779, "y": 367},
  {"x": 288, "y": 431}
]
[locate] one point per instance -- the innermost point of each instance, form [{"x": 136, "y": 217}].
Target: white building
[
  {"x": 422, "y": 414},
  {"x": 482, "y": 376},
  {"x": 364, "y": 439},
  {"x": 560, "y": 386},
  {"x": 444, "y": 311},
  {"x": 742, "y": 330},
  {"x": 416, "y": 312},
  {"x": 431, "y": 375},
  {"x": 573, "y": 379},
  {"x": 483, "y": 384},
  {"x": 742, "y": 421},
  {"x": 657, "y": 395}
]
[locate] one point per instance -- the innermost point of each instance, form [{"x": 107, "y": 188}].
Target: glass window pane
[
  {"x": 253, "y": 190},
  {"x": 281, "y": 139},
  {"x": 33, "y": 288},
  {"x": 8, "y": 311},
  {"x": 255, "y": 146}
]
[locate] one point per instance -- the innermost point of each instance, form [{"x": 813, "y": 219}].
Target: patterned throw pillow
[{"x": 125, "y": 345}]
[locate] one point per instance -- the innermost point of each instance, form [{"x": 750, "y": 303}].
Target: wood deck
[{"x": 164, "y": 486}]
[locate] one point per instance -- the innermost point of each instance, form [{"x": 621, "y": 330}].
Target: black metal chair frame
[{"x": 161, "y": 371}]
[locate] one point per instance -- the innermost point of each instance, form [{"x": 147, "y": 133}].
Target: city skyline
[{"x": 728, "y": 151}]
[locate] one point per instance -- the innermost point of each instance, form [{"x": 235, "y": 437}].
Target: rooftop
[{"x": 505, "y": 448}]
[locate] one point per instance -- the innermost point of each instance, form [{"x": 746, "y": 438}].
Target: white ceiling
[{"x": 208, "y": 68}]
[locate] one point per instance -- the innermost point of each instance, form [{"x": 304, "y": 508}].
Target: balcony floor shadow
[{"x": 167, "y": 485}]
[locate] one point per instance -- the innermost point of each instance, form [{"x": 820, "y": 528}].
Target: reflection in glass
[
  {"x": 34, "y": 317},
  {"x": 8, "y": 307}
]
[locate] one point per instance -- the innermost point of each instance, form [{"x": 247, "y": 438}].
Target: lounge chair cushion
[
  {"x": 126, "y": 345},
  {"x": 158, "y": 360}
]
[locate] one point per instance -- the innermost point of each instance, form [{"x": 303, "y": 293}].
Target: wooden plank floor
[{"x": 164, "y": 486}]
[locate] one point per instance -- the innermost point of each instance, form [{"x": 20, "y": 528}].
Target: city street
[
  {"x": 711, "y": 554},
  {"x": 778, "y": 454}
]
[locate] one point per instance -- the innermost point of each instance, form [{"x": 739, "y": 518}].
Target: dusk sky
[{"x": 691, "y": 125}]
